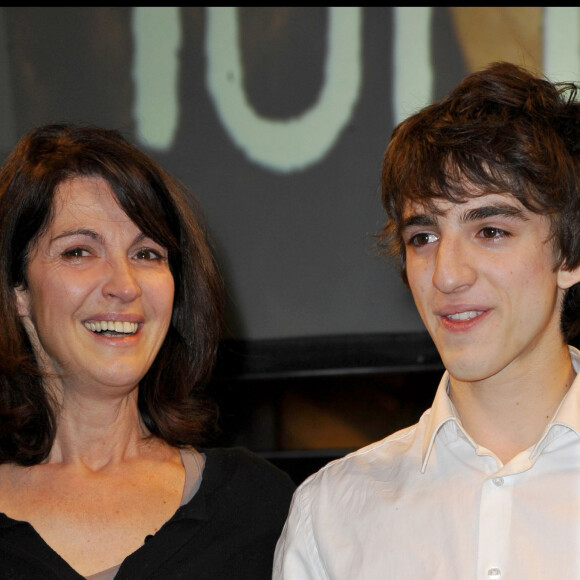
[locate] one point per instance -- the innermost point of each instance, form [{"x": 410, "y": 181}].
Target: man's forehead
[{"x": 441, "y": 206}]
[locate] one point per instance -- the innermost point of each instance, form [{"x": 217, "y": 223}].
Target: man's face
[{"x": 483, "y": 277}]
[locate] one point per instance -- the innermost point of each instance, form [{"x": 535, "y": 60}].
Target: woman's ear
[
  {"x": 22, "y": 300},
  {"x": 567, "y": 278}
]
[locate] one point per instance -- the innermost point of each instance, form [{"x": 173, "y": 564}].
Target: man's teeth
[
  {"x": 468, "y": 315},
  {"x": 113, "y": 326}
]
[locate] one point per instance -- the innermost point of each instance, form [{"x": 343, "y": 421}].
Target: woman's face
[{"x": 100, "y": 293}]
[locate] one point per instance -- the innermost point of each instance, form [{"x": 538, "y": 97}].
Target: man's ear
[
  {"x": 567, "y": 278},
  {"x": 22, "y": 300}
]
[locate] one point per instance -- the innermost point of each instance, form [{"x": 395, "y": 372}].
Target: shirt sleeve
[{"x": 297, "y": 556}]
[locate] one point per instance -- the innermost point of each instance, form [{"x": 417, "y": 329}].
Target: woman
[{"x": 110, "y": 306}]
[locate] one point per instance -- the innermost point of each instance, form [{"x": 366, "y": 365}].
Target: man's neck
[{"x": 509, "y": 414}]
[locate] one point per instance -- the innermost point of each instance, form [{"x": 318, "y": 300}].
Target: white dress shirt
[{"x": 428, "y": 503}]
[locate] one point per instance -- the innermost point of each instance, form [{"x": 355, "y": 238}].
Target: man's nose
[{"x": 454, "y": 268}]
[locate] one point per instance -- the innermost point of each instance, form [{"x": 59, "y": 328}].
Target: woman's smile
[{"x": 112, "y": 328}]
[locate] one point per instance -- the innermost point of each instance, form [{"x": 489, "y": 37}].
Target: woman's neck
[{"x": 98, "y": 431}]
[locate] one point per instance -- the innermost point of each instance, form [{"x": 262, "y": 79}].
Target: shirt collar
[
  {"x": 441, "y": 412},
  {"x": 567, "y": 415}
]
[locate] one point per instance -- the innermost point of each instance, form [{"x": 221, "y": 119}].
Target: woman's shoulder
[{"x": 237, "y": 467}]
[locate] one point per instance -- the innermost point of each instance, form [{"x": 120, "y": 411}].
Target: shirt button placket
[{"x": 494, "y": 528}]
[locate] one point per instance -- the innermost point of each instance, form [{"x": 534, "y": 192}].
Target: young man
[{"x": 482, "y": 193}]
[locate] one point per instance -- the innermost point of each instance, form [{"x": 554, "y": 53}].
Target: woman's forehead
[{"x": 84, "y": 200}]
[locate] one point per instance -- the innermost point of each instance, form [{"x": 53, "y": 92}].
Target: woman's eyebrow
[
  {"x": 77, "y": 232},
  {"x": 91, "y": 234}
]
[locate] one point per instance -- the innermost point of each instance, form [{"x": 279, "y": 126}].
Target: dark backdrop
[{"x": 296, "y": 243}]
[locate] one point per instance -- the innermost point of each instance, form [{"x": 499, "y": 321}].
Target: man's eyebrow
[
  {"x": 499, "y": 209},
  {"x": 418, "y": 219},
  {"x": 471, "y": 215}
]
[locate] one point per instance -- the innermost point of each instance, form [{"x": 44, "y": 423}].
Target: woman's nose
[
  {"x": 121, "y": 281},
  {"x": 454, "y": 268}
]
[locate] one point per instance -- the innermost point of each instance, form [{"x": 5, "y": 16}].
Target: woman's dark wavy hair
[
  {"x": 502, "y": 130},
  {"x": 171, "y": 400}
]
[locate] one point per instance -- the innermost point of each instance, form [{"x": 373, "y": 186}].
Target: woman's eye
[
  {"x": 148, "y": 254},
  {"x": 422, "y": 239},
  {"x": 73, "y": 253},
  {"x": 491, "y": 233}
]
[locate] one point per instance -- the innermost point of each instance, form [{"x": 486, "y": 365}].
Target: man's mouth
[
  {"x": 112, "y": 328},
  {"x": 467, "y": 315}
]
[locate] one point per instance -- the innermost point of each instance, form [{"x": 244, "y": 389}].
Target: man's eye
[
  {"x": 492, "y": 233},
  {"x": 422, "y": 239}
]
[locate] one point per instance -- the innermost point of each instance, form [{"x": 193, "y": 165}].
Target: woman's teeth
[
  {"x": 465, "y": 315},
  {"x": 113, "y": 326}
]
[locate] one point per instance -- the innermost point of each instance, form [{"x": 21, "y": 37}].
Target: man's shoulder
[
  {"x": 377, "y": 461},
  {"x": 335, "y": 509}
]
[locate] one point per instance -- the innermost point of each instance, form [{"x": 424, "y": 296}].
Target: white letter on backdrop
[
  {"x": 294, "y": 144},
  {"x": 157, "y": 38},
  {"x": 412, "y": 70},
  {"x": 562, "y": 43}
]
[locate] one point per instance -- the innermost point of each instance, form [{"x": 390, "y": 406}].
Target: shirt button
[
  {"x": 498, "y": 482},
  {"x": 494, "y": 573}
]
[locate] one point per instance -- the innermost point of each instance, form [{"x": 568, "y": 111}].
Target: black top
[{"x": 228, "y": 530}]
